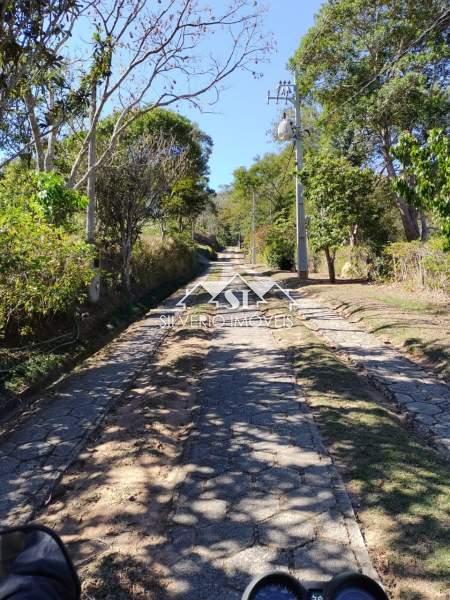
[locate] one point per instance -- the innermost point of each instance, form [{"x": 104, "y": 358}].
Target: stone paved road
[
  {"x": 39, "y": 446},
  {"x": 423, "y": 397},
  {"x": 259, "y": 492}
]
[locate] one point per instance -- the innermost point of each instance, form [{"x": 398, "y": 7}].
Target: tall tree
[
  {"x": 148, "y": 55},
  {"x": 425, "y": 178},
  {"x": 31, "y": 33},
  {"x": 136, "y": 178},
  {"x": 377, "y": 69},
  {"x": 337, "y": 195}
]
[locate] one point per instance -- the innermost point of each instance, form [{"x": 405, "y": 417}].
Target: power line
[
  {"x": 280, "y": 186},
  {"x": 437, "y": 22}
]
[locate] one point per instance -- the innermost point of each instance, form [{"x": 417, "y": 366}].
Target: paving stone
[
  {"x": 323, "y": 559},
  {"x": 308, "y": 498},
  {"x": 231, "y": 485},
  {"x": 423, "y": 408},
  {"x": 33, "y": 450},
  {"x": 7, "y": 464},
  {"x": 427, "y": 419},
  {"x": 242, "y": 567},
  {"x": 256, "y": 506},
  {"x": 278, "y": 479},
  {"x": 257, "y": 462},
  {"x": 223, "y": 539},
  {"x": 416, "y": 391},
  {"x": 253, "y": 446},
  {"x": 288, "y": 529},
  {"x": 403, "y": 398}
]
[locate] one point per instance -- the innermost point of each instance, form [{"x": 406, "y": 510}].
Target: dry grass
[{"x": 416, "y": 323}]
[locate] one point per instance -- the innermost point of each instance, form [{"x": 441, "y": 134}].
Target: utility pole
[
  {"x": 287, "y": 92},
  {"x": 254, "y": 227}
]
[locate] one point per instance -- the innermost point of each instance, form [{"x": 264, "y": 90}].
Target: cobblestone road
[
  {"x": 39, "y": 446},
  {"x": 416, "y": 392},
  {"x": 259, "y": 492}
]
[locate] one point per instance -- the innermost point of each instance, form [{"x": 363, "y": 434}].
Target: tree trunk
[
  {"x": 126, "y": 265},
  {"x": 424, "y": 230},
  {"x": 408, "y": 213},
  {"x": 50, "y": 154},
  {"x": 35, "y": 131},
  {"x": 353, "y": 235},
  {"x": 330, "y": 256},
  {"x": 90, "y": 213}
]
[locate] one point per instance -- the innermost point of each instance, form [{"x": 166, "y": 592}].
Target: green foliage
[
  {"x": 45, "y": 195},
  {"x": 336, "y": 193},
  {"x": 271, "y": 179},
  {"x": 29, "y": 43},
  {"x": 187, "y": 199},
  {"x": 43, "y": 271},
  {"x": 374, "y": 75},
  {"x": 280, "y": 243},
  {"x": 206, "y": 251},
  {"x": 31, "y": 370},
  {"x": 425, "y": 178},
  {"x": 59, "y": 203}
]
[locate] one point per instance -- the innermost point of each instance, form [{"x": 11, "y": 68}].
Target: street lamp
[{"x": 287, "y": 92}]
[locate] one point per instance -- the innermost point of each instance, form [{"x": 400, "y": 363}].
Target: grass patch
[
  {"x": 417, "y": 323},
  {"x": 400, "y": 488}
]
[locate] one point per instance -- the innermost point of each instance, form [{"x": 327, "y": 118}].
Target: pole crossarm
[{"x": 286, "y": 92}]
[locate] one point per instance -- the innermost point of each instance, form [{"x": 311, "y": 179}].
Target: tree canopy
[{"x": 377, "y": 69}]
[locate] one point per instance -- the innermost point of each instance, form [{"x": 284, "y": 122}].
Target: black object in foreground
[
  {"x": 282, "y": 586},
  {"x": 34, "y": 565}
]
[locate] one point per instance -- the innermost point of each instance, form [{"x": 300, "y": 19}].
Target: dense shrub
[
  {"x": 206, "y": 251},
  {"x": 420, "y": 265},
  {"x": 208, "y": 240},
  {"x": 280, "y": 245},
  {"x": 43, "y": 194},
  {"x": 155, "y": 263},
  {"x": 43, "y": 271}
]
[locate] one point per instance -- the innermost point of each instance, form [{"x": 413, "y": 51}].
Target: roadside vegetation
[
  {"x": 101, "y": 182},
  {"x": 376, "y": 172},
  {"x": 399, "y": 487}
]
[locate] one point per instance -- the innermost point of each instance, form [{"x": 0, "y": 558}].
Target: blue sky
[{"x": 242, "y": 117}]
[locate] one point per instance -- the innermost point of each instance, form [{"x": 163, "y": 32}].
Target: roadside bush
[
  {"x": 208, "y": 240},
  {"x": 45, "y": 195},
  {"x": 280, "y": 245},
  {"x": 421, "y": 265},
  {"x": 206, "y": 251},
  {"x": 43, "y": 271},
  {"x": 155, "y": 263}
]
